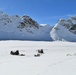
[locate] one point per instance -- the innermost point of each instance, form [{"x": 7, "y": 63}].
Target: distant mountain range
[
  {"x": 22, "y": 28},
  {"x": 25, "y": 28}
]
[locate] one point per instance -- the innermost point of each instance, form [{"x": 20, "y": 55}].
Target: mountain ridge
[
  {"x": 22, "y": 28},
  {"x": 65, "y": 29}
]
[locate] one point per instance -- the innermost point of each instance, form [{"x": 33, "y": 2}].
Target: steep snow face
[
  {"x": 64, "y": 30},
  {"x": 22, "y": 28},
  {"x": 44, "y": 30}
]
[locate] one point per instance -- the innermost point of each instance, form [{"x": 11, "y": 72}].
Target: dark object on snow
[
  {"x": 22, "y": 54},
  {"x": 40, "y": 51},
  {"x": 37, "y": 55},
  {"x": 14, "y": 53}
]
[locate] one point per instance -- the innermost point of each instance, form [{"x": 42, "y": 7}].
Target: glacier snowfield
[{"x": 59, "y": 58}]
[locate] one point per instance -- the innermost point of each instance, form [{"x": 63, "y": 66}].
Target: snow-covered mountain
[
  {"x": 65, "y": 29},
  {"x": 22, "y": 28}
]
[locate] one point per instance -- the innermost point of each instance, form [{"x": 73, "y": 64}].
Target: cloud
[
  {"x": 55, "y": 17},
  {"x": 69, "y": 15},
  {"x": 3, "y": 8},
  {"x": 61, "y": 16}
]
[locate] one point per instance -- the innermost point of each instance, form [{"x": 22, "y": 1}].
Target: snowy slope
[
  {"x": 59, "y": 58},
  {"x": 64, "y": 30},
  {"x": 22, "y": 28}
]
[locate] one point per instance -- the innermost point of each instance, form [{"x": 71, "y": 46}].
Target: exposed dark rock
[
  {"x": 40, "y": 51},
  {"x": 37, "y": 55},
  {"x": 14, "y": 53}
]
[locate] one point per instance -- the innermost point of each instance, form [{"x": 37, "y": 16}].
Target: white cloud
[
  {"x": 69, "y": 15},
  {"x": 56, "y": 17},
  {"x": 3, "y": 8}
]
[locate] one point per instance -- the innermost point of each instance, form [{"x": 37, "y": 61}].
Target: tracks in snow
[{"x": 54, "y": 64}]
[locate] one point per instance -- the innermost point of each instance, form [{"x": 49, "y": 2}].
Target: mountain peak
[
  {"x": 64, "y": 30},
  {"x": 22, "y": 28}
]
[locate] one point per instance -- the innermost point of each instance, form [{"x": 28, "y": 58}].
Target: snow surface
[{"x": 59, "y": 58}]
